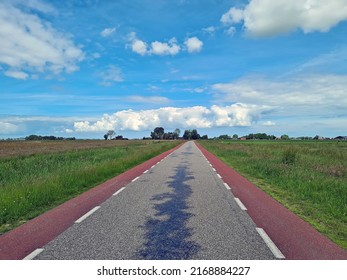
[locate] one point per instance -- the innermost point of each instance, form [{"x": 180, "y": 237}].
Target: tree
[
  {"x": 284, "y": 137},
  {"x": 187, "y": 135},
  {"x": 177, "y": 132},
  {"x": 224, "y": 137},
  {"x": 195, "y": 135},
  {"x": 158, "y": 133},
  {"x": 204, "y": 137},
  {"x": 235, "y": 136},
  {"x": 109, "y": 134}
]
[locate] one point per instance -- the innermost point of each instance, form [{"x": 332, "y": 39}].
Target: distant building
[{"x": 341, "y": 138}]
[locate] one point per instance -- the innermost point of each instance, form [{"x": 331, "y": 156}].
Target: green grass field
[
  {"x": 308, "y": 177},
  {"x": 32, "y": 184}
]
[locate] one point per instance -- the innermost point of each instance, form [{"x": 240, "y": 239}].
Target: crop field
[
  {"x": 308, "y": 177},
  {"x": 37, "y": 176}
]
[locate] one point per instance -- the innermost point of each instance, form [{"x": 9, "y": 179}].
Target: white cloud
[
  {"x": 30, "y": 44},
  {"x": 37, "y": 5},
  {"x": 268, "y": 123},
  {"x": 171, "y": 117},
  {"x": 111, "y": 75},
  {"x": 199, "y": 89},
  {"x": 170, "y": 48},
  {"x": 153, "y": 88},
  {"x": 139, "y": 47},
  {"x": 231, "y": 31},
  {"x": 16, "y": 74},
  {"x": 7, "y": 128},
  {"x": 107, "y": 31},
  {"x": 269, "y": 18},
  {"x": 210, "y": 30},
  {"x": 148, "y": 99},
  {"x": 193, "y": 44},
  {"x": 232, "y": 16},
  {"x": 96, "y": 55},
  {"x": 313, "y": 95}
]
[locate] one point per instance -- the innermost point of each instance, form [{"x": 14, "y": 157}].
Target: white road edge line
[
  {"x": 33, "y": 254},
  {"x": 277, "y": 253},
  {"x": 227, "y": 186},
  {"x": 220, "y": 177},
  {"x": 242, "y": 206},
  {"x": 153, "y": 166},
  {"x": 117, "y": 192},
  {"x": 145, "y": 171},
  {"x": 87, "y": 215},
  {"x": 133, "y": 180},
  {"x": 213, "y": 169}
]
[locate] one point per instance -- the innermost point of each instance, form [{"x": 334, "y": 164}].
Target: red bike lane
[
  {"x": 21, "y": 241},
  {"x": 296, "y": 239}
]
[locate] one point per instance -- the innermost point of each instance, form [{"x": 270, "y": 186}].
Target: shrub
[{"x": 290, "y": 156}]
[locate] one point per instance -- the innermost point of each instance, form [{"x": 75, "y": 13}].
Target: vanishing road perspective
[{"x": 178, "y": 209}]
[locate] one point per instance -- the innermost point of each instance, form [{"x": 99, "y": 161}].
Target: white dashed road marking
[
  {"x": 117, "y": 192},
  {"x": 33, "y": 254},
  {"x": 277, "y": 253},
  {"x": 133, "y": 180},
  {"x": 226, "y": 186},
  {"x": 87, "y": 214},
  {"x": 242, "y": 206}
]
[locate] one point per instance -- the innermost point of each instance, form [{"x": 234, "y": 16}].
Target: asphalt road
[{"x": 178, "y": 209}]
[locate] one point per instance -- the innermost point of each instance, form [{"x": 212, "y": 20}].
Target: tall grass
[
  {"x": 30, "y": 185},
  {"x": 308, "y": 177}
]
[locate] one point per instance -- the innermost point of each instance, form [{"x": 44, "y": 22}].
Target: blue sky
[{"x": 80, "y": 68}]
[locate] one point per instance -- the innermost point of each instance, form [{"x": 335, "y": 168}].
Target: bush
[{"x": 290, "y": 156}]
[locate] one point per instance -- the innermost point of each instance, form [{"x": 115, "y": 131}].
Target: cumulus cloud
[
  {"x": 269, "y": 18},
  {"x": 171, "y": 117},
  {"x": 172, "y": 47},
  {"x": 30, "y": 44},
  {"x": 107, "y": 32},
  {"x": 139, "y": 47},
  {"x": 232, "y": 16},
  {"x": 111, "y": 75},
  {"x": 193, "y": 44}
]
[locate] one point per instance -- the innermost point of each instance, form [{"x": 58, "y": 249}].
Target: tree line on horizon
[{"x": 159, "y": 134}]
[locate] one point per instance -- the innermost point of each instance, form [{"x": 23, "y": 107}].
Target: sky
[{"x": 80, "y": 68}]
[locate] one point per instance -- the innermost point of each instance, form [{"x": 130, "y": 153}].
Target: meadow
[
  {"x": 307, "y": 177},
  {"x": 37, "y": 176}
]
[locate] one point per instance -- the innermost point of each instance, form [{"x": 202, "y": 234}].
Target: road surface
[{"x": 179, "y": 208}]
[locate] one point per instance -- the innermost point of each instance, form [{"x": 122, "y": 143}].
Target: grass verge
[
  {"x": 31, "y": 185},
  {"x": 308, "y": 177}
]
